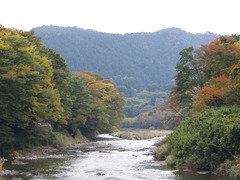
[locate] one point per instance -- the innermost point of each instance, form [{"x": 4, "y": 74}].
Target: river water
[{"x": 108, "y": 158}]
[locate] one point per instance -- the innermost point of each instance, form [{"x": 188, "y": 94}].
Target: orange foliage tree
[
  {"x": 218, "y": 56},
  {"x": 214, "y": 93},
  {"x": 106, "y": 105},
  {"x": 210, "y": 77}
]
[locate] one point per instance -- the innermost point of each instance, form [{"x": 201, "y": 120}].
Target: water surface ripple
[{"x": 108, "y": 158}]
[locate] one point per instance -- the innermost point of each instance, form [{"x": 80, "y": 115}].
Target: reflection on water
[{"x": 108, "y": 158}]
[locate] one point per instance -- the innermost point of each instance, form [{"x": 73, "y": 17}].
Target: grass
[
  {"x": 64, "y": 139},
  {"x": 161, "y": 153},
  {"x": 139, "y": 134}
]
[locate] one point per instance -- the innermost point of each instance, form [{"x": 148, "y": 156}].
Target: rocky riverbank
[
  {"x": 20, "y": 157},
  {"x": 33, "y": 153}
]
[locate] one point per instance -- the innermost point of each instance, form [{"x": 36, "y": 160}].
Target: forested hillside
[{"x": 134, "y": 61}]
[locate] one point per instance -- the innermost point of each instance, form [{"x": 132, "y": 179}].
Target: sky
[{"x": 124, "y": 16}]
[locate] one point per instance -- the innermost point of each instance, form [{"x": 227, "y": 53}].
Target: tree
[
  {"x": 210, "y": 62},
  {"x": 61, "y": 75},
  {"x": 187, "y": 80},
  {"x": 213, "y": 93},
  {"x": 27, "y": 93},
  {"x": 106, "y": 104},
  {"x": 218, "y": 56},
  {"x": 233, "y": 89},
  {"x": 61, "y": 78},
  {"x": 80, "y": 109}
]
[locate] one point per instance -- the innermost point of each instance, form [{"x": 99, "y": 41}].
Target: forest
[
  {"x": 135, "y": 62},
  {"x": 206, "y": 102},
  {"x": 140, "y": 64},
  {"x": 41, "y": 100}
]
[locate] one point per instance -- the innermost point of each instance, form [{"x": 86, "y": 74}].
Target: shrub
[
  {"x": 62, "y": 139},
  {"x": 1, "y": 165},
  {"x": 161, "y": 153},
  {"x": 162, "y": 141},
  {"x": 230, "y": 169},
  {"x": 206, "y": 139},
  {"x": 195, "y": 162},
  {"x": 171, "y": 160},
  {"x": 79, "y": 137}
]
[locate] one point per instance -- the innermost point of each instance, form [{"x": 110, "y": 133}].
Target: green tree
[
  {"x": 80, "y": 108},
  {"x": 187, "y": 80}
]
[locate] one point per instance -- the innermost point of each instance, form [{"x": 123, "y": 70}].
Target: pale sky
[{"x": 124, "y": 16}]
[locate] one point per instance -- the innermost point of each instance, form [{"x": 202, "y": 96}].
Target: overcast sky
[{"x": 124, "y": 16}]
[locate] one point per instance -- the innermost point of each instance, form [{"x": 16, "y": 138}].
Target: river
[{"x": 107, "y": 158}]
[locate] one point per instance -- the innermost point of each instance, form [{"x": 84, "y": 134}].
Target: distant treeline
[{"x": 39, "y": 95}]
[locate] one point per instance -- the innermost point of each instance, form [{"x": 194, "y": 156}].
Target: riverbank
[
  {"x": 1, "y": 165},
  {"x": 64, "y": 142},
  {"x": 140, "y": 134},
  {"x": 61, "y": 141},
  {"x": 20, "y": 158},
  {"x": 205, "y": 141}
]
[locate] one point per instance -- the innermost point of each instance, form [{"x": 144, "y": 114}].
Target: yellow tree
[{"x": 27, "y": 94}]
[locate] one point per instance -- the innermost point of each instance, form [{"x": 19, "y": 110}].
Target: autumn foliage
[
  {"x": 208, "y": 78},
  {"x": 213, "y": 93},
  {"x": 106, "y": 103}
]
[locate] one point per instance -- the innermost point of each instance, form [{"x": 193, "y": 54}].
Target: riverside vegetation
[
  {"x": 43, "y": 103},
  {"x": 206, "y": 99},
  {"x": 1, "y": 165}
]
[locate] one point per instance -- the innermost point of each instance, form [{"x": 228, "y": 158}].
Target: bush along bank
[
  {"x": 208, "y": 140},
  {"x": 1, "y": 165}
]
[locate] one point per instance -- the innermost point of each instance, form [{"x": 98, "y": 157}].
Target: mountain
[{"x": 134, "y": 61}]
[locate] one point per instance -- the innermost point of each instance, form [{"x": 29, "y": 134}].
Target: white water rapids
[{"x": 117, "y": 159}]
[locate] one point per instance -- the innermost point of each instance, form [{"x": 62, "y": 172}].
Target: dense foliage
[
  {"x": 207, "y": 92},
  {"x": 207, "y": 139},
  {"x": 106, "y": 104},
  {"x": 141, "y": 65},
  {"x": 146, "y": 110},
  {"x": 37, "y": 90},
  {"x": 208, "y": 78},
  {"x": 134, "y": 61}
]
